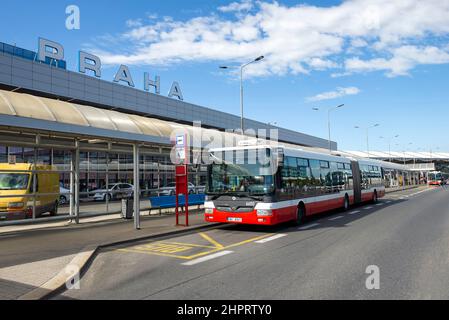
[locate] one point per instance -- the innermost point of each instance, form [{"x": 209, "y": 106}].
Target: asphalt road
[{"x": 405, "y": 237}]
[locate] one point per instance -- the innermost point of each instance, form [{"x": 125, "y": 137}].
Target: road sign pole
[{"x": 182, "y": 189}]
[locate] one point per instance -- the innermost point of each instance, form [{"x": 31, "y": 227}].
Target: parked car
[
  {"x": 114, "y": 191},
  {"x": 16, "y": 184},
  {"x": 170, "y": 189},
  {"x": 200, "y": 189},
  {"x": 64, "y": 195}
]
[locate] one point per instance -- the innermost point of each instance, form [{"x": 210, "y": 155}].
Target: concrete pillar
[
  {"x": 107, "y": 181},
  {"x": 136, "y": 180},
  {"x": 76, "y": 199},
  {"x": 72, "y": 187},
  {"x": 35, "y": 177}
]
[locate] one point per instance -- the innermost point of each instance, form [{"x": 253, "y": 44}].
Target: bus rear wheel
[
  {"x": 375, "y": 197},
  {"x": 301, "y": 212},
  {"x": 346, "y": 204}
]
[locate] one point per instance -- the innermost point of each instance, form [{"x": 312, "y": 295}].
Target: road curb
[
  {"x": 399, "y": 190},
  {"x": 86, "y": 256},
  {"x": 59, "y": 281}
]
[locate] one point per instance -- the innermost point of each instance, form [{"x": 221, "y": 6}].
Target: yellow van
[{"x": 16, "y": 182}]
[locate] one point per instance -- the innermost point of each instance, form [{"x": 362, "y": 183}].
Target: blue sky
[{"x": 388, "y": 63}]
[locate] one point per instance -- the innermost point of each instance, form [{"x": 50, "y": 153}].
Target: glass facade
[{"x": 105, "y": 178}]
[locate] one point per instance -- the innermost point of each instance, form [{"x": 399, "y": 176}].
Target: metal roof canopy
[
  {"x": 19, "y": 111},
  {"x": 22, "y": 113}
]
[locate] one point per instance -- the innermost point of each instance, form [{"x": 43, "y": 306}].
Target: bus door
[{"x": 357, "y": 181}]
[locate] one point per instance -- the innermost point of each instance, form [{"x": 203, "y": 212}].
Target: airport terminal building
[{"x": 90, "y": 131}]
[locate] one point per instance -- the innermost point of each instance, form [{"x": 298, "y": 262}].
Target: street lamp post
[
  {"x": 389, "y": 144},
  {"x": 405, "y": 150},
  {"x": 329, "y": 122},
  {"x": 367, "y": 135},
  {"x": 242, "y": 67}
]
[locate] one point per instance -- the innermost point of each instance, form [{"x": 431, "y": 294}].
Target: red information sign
[{"x": 182, "y": 189}]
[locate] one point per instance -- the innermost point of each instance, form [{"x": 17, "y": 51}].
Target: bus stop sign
[{"x": 182, "y": 189}]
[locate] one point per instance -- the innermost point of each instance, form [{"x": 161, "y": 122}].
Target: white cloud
[
  {"x": 133, "y": 23},
  {"x": 402, "y": 61},
  {"x": 358, "y": 43},
  {"x": 355, "y": 36},
  {"x": 320, "y": 64},
  {"x": 338, "y": 93},
  {"x": 244, "y": 5}
]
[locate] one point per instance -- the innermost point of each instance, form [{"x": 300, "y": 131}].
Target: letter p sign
[{"x": 73, "y": 20}]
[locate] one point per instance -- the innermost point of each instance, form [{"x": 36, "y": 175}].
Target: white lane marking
[
  {"x": 379, "y": 204},
  {"x": 271, "y": 238},
  {"x": 207, "y": 258},
  {"x": 388, "y": 202},
  {"x": 336, "y": 218},
  {"x": 309, "y": 226},
  {"x": 368, "y": 208},
  {"x": 355, "y": 212}
]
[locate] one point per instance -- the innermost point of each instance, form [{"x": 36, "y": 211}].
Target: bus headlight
[
  {"x": 264, "y": 213},
  {"x": 15, "y": 205},
  {"x": 209, "y": 211}
]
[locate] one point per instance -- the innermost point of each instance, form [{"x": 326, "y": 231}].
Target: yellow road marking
[
  {"x": 163, "y": 247},
  {"x": 167, "y": 249},
  {"x": 192, "y": 245},
  {"x": 249, "y": 240},
  {"x": 208, "y": 238},
  {"x": 227, "y": 247},
  {"x": 154, "y": 253}
]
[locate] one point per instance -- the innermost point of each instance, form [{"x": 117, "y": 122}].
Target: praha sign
[{"x": 53, "y": 50}]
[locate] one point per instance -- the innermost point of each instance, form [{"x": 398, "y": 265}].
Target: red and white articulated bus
[
  {"x": 435, "y": 178},
  {"x": 265, "y": 185}
]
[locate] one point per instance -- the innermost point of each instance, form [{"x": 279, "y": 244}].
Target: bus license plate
[{"x": 235, "y": 219}]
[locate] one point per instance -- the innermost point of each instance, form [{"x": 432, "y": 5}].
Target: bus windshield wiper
[{"x": 243, "y": 195}]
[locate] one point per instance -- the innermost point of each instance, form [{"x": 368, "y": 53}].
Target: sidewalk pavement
[
  {"x": 33, "y": 263},
  {"x": 397, "y": 189}
]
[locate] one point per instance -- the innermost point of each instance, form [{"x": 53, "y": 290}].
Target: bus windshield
[
  {"x": 246, "y": 179},
  {"x": 14, "y": 181},
  {"x": 435, "y": 176}
]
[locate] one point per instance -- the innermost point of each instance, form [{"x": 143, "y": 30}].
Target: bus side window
[
  {"x": 326, "y": 176},
  {"x": 315, "y": 180}
]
